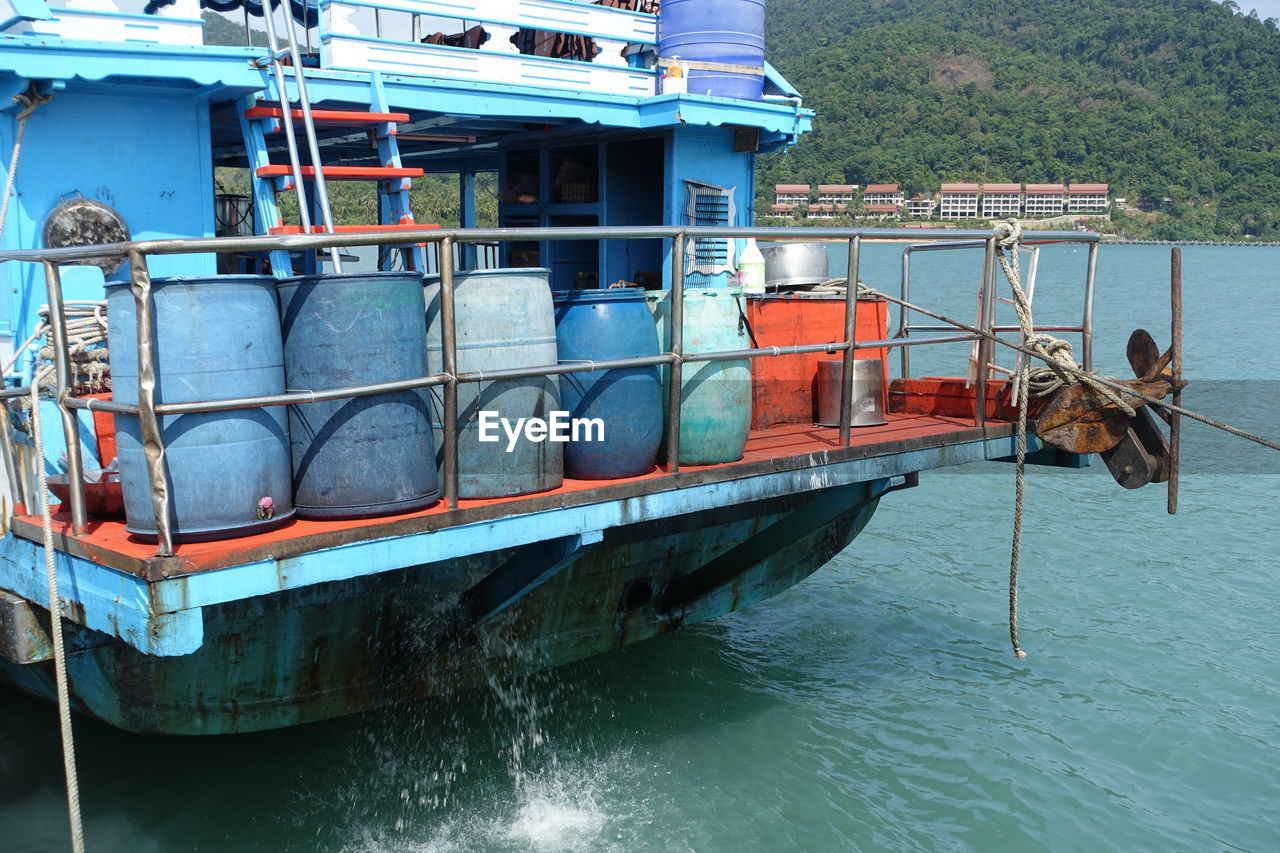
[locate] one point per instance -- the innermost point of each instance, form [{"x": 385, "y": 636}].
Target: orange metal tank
[{"x": 783, "y": 389}]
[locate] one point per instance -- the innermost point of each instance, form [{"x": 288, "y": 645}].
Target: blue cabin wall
[
  {"x": 706, "y": 155},
  {"x": 146, "y": 155}
]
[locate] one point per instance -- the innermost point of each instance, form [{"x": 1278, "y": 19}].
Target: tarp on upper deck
[{"x": 305, "y": 13}]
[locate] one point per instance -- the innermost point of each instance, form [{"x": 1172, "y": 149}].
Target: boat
[{"x": 313, "y": 524}]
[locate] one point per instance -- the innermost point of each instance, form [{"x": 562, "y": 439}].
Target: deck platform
[{"x": 770, "y": 451}]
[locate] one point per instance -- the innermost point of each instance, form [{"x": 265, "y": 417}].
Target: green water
[{"x": 873, "y": 707}]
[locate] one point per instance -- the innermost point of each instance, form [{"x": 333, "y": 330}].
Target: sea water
[{"x": 875, "y": 706}]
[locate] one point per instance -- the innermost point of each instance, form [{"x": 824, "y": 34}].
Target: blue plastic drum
[
  {"x": 615, "y": 415},
  {"x": 215, "y": 338},
  {"x": 726, "y": 32},
  {"x": 361, "y": 456}
]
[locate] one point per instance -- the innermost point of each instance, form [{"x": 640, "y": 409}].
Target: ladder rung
[
  {"x": 342, "y": 117},
  {"x": 349, "y": 229},
  {"x": 342, "y": 173}
]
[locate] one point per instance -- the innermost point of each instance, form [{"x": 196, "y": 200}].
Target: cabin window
[{"x": 708, "y": 205}]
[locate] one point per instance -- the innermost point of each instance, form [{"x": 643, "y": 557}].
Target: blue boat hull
[{"x": 338, "y": 648}]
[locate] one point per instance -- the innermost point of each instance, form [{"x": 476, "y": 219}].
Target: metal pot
[{"x": 794, "y": 264}]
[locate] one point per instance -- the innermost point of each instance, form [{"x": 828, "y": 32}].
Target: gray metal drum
[
  {"x": 216, "y": 337},
  {"x": 504, "y": 318},
  {"x": 867, "y": 387},
  {"x": 795, "y": 264},
  {"x": 361, "y": 456}
]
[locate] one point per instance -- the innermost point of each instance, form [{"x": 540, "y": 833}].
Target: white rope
[
  {"x": 86, "y": 326},
  {"x": 1059, "y": 369},
  {"x": 31, "y": 101},
  {"x": 55, "y": 623}
]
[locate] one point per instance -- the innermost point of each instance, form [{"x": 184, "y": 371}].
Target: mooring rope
[
  {"x": 31, "y": 101},
  {"x": 55, "y": 623},
  {"x": 1059, "y": 369}
]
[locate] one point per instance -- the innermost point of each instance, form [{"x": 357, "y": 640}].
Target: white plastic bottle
[{"x": 751, "y": 269}]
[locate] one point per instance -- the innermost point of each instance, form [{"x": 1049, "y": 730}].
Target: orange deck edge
[{"x": 107, "y": 538}]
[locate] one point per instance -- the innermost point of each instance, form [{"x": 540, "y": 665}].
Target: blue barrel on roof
[
  {"x": 626, "y": 403},
  {"x": 215, "y": 338},
  {"x": 722, "y": 32},
  {"x": 715, "y": 396},
  {"x": 503, "y": 319},
  {"x": 361, "y": 456}
]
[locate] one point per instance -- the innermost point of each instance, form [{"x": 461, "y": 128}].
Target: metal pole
[
  {"x": 905, "y": 294},
  {"x": 1175, "y": 366},
  {"x": 148, "y": 422},
  {"x": 309, "y": 127},
  {"x": 449, "y": 365},
  {"x": 1086, "y": 333},
  {"x": 286, "y": 109},
  {"x": 987, "y": 307},
  {"x": 850, "y": 335},
  {"x": 676, "y": 372},
  {"x": 10, "y": 458},
  {"x": 70, "y": 423}
]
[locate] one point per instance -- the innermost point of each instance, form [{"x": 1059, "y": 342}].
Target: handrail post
[
  {"x": 70, "y": 423},
  {"x": 850, "y": 334},
  {"x": 904, "y": 293},
  {"x": 148, "y": 422},
  {"x": 1086, "y": 330},
  {"x": 675, "y": 373},
  {"x": 986, "y": 323},
  {"x": 449, "y": 365}
]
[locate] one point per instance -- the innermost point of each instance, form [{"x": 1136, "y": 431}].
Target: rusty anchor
[{"x": 1080, "y": 420}]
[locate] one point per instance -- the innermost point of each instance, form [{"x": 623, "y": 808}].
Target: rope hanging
[{"x": 32, "y": 100}]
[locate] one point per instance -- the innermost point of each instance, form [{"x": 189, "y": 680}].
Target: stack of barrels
[{"x": 246, "y": 470}]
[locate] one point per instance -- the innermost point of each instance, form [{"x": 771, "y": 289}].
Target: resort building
[
  {"x": 879, "y": 211},
  {"x": 822, "y": 211},
  {"x": 839, "y": 195},
  {"x": 783, "y": 209},
  {"x": 959, "y": 201},
  {"x": 1043, "y": 200},
  {"x": 1087, "y": 198},
  {"x": 882, "y": 194},
  {"x": 920, "y": 207},
  {"x": 790, "y": 193},
  {"x": 1001, "y": 200}
]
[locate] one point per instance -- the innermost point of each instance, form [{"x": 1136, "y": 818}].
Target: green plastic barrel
[
  {"x": 503, "y": 319},
  {"x": 715, "y": 396}
]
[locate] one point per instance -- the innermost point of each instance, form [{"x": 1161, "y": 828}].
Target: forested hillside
[{"x": 1162, "y": 99}]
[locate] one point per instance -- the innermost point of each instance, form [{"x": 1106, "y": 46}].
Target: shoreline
[{"x": 1105, "y": 239}]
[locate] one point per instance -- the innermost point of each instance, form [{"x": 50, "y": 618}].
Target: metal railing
[
  {"x": 149, "y": 411},
  {"x": 987, "y": 303}
]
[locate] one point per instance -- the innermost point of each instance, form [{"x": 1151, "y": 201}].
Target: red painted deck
[{"x": 783, "y": 448}]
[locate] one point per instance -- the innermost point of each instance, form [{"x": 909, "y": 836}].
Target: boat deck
[{"x": 780, "y": 449}]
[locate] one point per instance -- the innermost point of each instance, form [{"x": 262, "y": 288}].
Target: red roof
[
  {"x": 1088, "y": 188},
  {"x": 825, "y": 208},
  {"x": 791, "y": 188},
  {"x": 783, "y": 208},
  {"x": 881, "y": 208},
  {"x": 1045, "y": 189},
  {"x": 1002, "y": 188},
  {"x": 837, "y": 188},
  {"x": 880, "y": 188},
  {"x": 960, "y": 188}
]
